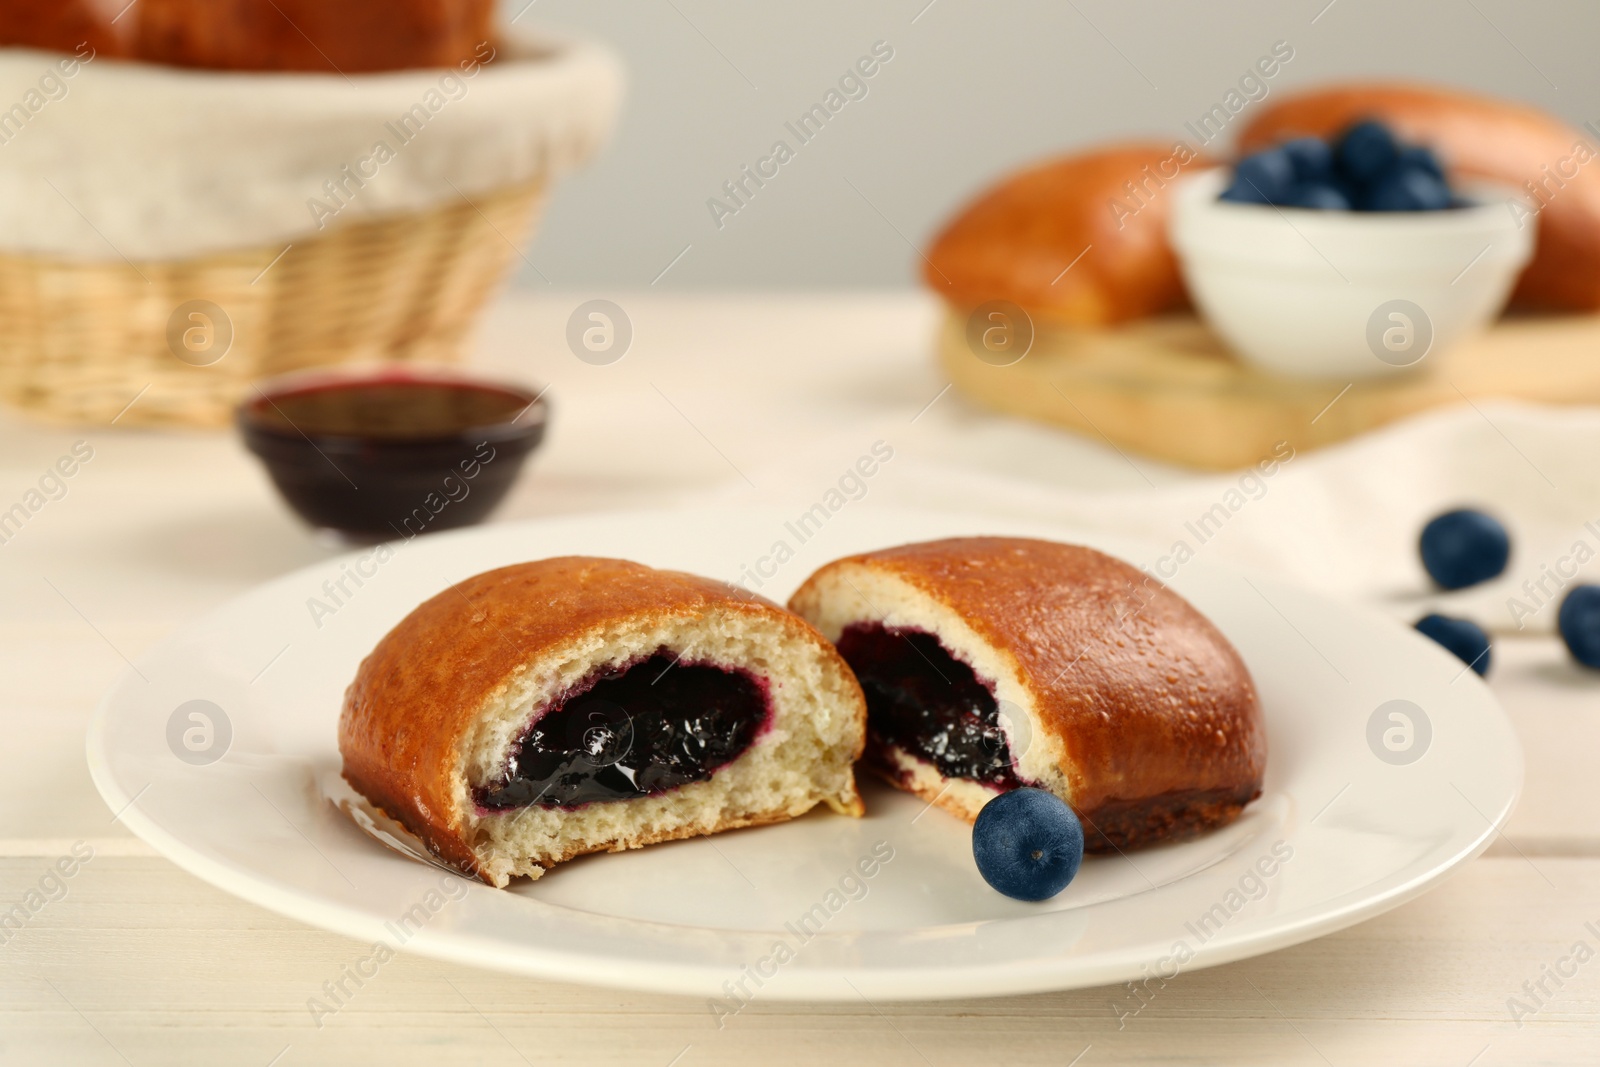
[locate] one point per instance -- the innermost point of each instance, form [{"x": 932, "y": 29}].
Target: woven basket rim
[
  {"x": 254, "y": 251},
  {"x": 289, "y": 154}
]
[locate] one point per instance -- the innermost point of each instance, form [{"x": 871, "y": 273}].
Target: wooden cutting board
[{"x": 1166, "y": 387}]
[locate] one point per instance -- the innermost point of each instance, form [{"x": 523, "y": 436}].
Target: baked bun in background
[
  {"x": 1017, "y": 238},
  {"x": 546, "y": 710},
  {"x": 67, "y": 26},
  {"x": 1478, "y": 137},
  {"x": 994, "y": 662},
  {"x": 316, "y": 36}
]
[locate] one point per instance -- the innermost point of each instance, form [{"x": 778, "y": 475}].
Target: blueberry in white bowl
[
  {"x": 1311, "y": 157},
  {"x": 1419, "y": 157},
  {"x": 1463, "y": 638},
  {"x": 1366, "y": 151},
  {"x": 1267, "y": 177},
  {"x": 1028, "y": 843},
  {"x": 1364, "y": 169},
  {"x": 1407, "y": 189},
  {"x": 1464, "y": 547},
  {"x": 1346, "y": 258},
  {"x": 1579, "y": 621},
  {"x": 1316, "y": 196}
]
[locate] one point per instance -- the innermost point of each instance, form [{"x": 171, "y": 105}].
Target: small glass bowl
[{"x": 386, "y": 453}]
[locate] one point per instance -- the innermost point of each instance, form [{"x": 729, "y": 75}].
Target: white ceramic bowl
[{"x": 1336, "y": 294}]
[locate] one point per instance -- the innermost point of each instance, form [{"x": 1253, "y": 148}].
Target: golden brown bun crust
[
  {"x": 1156, "y": 711},
  {"x": 1116, "y": 825},
  {"x": 1480, "y": 138},
  {"x": 1014, "y": 241},
  {"x": 64, "y": 26},
  {"x": 420, "y": 690},
  {"x": 325, "y": 36}
]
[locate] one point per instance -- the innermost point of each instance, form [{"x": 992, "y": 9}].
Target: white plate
[{"x": 1341, "y": 834}]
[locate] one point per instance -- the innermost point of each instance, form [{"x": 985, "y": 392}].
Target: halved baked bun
[
  {"x": 542, "y": 711},
  {"x": 994, "y": 662}
]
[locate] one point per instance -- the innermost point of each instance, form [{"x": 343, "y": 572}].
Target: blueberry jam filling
[
  {"x": 633, "y": 730},
  {"x": 925, "y": 701}
]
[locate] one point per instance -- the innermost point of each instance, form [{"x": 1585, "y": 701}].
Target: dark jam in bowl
[
  {"x": 392, "y": 454},
  {"x": 632, "y": 731},
  {"x": 925, "y": 701}
]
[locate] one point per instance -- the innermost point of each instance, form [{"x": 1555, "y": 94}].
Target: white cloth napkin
[
  {"x": 135, "y": 160},
  {"x": 1344, "y": 519}
]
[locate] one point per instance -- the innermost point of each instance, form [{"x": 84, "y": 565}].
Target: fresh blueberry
[
  {"x": 1407, "y": 190},
  {"x": 1418, "y": 157},
  {"x": 1463, "y": 638},
  {"x": 1240, "y": 193},
  {"x": 1310, "y": 157},
  {"x": 1366, "y": 151},
  {"x": 1319, "y": 196},
  {"x": 1579, "y": 620},
  {"x": 1028, "y": 843},
  {"x": 1269, "y": 174},
  {"x": 1464, "y": 547}
]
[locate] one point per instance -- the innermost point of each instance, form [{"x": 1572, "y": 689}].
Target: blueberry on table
[
  {"x": 1320, "y": 197},
  {"x": 1463, "y": 638},
  {"x": 1464, "y": 547},
  {"x": 1366, "y": 151},
  {"x": 1407, "y": 190},
  {"x": 1264, "y": 178},
  {"x": 1028, "y": 843},
  {"x": 1579, "y": 620},
  {"x": 1310, "y": 157}
]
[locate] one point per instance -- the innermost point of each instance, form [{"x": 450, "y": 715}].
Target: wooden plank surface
[
  {"x": 141, "y": 964},
  {"x": 1167, "y": 387}
]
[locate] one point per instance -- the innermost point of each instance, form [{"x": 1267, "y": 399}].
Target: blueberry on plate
[
  {"x": 1264, "y": 178},
  {"x": 1320, "y": 196},
  {"x": 1463, "y": 638},
  {"x": 1028, "y": 843},
  {"x": 1366, "y": 151},
  {"x": 1579, "y": 620},
  {"x": 1310, "y": 157},
  {"x": 1464, "y": 547},
  {"x": 1403, "y": 189}
]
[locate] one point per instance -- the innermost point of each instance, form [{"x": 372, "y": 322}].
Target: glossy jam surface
[
  {"x": 929, "y": 703},
  {"x": 389, "y": 409},
  {"x": 386, "y": 454},
  {"x": 633, "y": 731}
]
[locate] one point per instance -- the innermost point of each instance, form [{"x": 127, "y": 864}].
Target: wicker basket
[{"x": 101, "y": 342}]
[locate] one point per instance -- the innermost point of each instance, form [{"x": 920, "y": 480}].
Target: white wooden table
[{"x": 140, "y": 963}]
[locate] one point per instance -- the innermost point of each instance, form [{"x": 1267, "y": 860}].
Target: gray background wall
[{"x": 973, "y": 90}]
